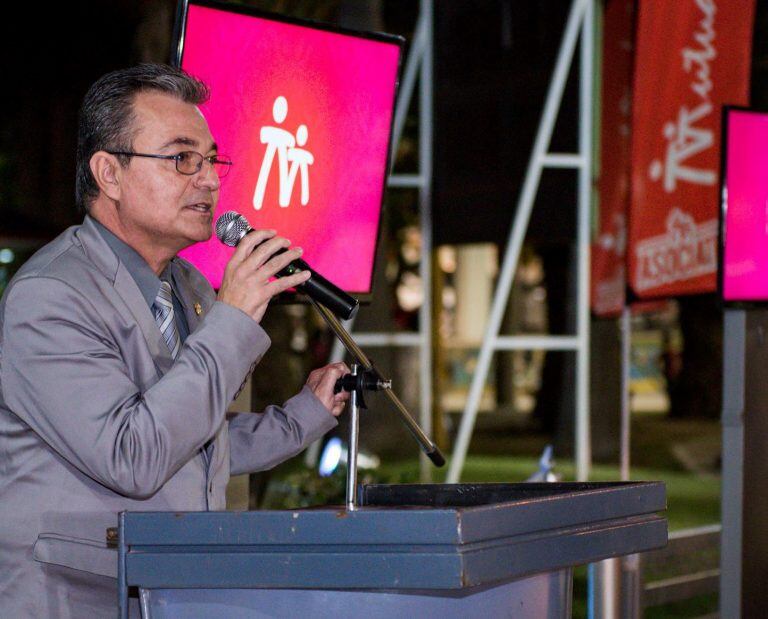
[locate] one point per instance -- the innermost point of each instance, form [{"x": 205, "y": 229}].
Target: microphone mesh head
[{"x": 231, "y": 227}]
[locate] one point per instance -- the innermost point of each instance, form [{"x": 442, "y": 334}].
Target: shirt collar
[{"x": 145, "y": 278}]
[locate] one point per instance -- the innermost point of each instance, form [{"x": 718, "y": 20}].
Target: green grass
[{"x": 695, "y": 607}]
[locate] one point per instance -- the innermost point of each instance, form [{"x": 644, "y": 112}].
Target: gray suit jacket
[{"x": 96, "y": 418}]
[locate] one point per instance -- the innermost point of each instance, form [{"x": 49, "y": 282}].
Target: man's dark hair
[{"x": 106, "y": 115}]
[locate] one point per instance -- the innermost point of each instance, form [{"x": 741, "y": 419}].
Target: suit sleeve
[
  {"x": 64, "y": 375},
  {"x": 259, "y": 441}
]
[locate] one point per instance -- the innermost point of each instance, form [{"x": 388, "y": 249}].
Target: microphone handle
[{"x": 321, "y": 290}]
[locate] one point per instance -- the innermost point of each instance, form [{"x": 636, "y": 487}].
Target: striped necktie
[{"x": 166, "y": 319}]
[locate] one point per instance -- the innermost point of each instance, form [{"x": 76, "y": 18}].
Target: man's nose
[{"x": 208, "y": 177}]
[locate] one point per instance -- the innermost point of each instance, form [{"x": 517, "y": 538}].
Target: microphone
[{"x": 231, "y": 227}]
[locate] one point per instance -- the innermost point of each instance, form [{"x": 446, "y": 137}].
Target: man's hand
[
  {"x": 322, "y": 380},
  {"x": 246, "y": 284}
]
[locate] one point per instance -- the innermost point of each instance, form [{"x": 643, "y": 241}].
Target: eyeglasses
[{"x": 188, "y": 162}]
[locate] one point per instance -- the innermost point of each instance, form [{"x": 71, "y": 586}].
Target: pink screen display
[
  {"x": 305, "y": 116},
  {"x": 745, "y": 255}
]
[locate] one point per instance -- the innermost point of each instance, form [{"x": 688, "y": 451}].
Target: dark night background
[
  {"x": 487, "y": 101},
  {"x": 493, "y": 61}
]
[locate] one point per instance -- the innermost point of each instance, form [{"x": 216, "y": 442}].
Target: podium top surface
[
  {"x": 410, "y": 513},
  {"x": 404, "y": 536}
]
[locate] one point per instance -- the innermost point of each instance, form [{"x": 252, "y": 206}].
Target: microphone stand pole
[
  {"x": 354, "y": 446},
  {"x": 427, "y": 445}
]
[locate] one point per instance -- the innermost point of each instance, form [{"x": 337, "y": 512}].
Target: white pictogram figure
[
  {"x": 684, "y": 141},
  {"x": 278, "y": 141},
  {"x": 300, "y": 160}
]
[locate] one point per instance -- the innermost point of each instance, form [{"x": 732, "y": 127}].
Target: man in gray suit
[{"x": 118, "y": 361}]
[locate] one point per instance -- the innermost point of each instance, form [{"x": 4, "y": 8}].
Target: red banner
[
  {"x": 693, "y": 56},
  {"x": 609, "y": 243}
]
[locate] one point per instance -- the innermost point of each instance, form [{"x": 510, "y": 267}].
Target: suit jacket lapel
[
  {"x": 195, "y": 301},
  {"x": 100, "y": 253}
]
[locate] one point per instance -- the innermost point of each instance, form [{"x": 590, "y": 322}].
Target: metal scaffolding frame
[
  {"x": 418, "y": 67},
  {"x": 580, "y": 24}
]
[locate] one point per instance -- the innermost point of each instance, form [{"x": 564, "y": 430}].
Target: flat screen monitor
[
  {"x": 304, "y": 110},
  {"x": 743, "y": 260}
]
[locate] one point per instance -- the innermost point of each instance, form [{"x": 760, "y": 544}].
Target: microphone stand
[{"x": 367, "y": 377}]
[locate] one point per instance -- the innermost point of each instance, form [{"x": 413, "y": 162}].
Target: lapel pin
[{"x": 198, "y": 309}]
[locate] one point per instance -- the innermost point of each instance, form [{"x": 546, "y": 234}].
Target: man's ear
[{"x": 106, "y": 170}]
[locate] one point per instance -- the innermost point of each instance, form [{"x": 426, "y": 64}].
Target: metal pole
[
  {"x": 517, "y": 236},
  {"x": 631, "y": 586},
  {"x": 732, "y": 499},
  {"x": 626, "y": 351},
  {"x": 607, "y": 576},
  {"x": 630, "y": 565},
  {"x": 607, "y": 573},
  {"x": 145, "y": 603},
  {"x": 425, "y": 211},
  {"x": 410, "y": 73},
  {"x": 583, "y": 447},
  {"x": 352, "y": 450},
  {"x": 122, "y": 576}
]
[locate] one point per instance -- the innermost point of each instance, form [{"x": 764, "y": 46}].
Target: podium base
[{"x": 542, "y": 596}]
